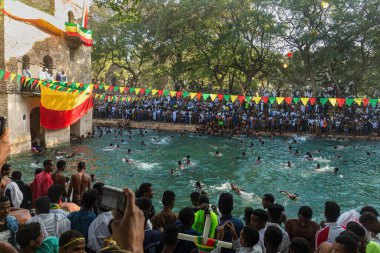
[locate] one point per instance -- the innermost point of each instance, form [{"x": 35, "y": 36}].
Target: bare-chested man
[
  {"x": 79, "y": 183},
  {"x": 57, "y": 176}
]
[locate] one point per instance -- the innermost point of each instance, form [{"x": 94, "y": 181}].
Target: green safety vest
[{"x": 199, "y": 223}]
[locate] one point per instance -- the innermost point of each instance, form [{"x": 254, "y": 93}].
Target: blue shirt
[
  {"x": 238, "y": 224},
  {"x": 81, "y": 221}
]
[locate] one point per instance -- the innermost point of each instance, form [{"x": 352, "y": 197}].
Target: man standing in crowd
[
  {"x": 23, "y": 188},
  {"x": 303, "y": 226},
  {"x": 8, "y": 223},
  {"x": 275, "y": 213},
  {"x": 79, "y": 183},
  {"x": 146, "y": 190},
  {"x": 167, "y": 216},
  {"x": 331, "y": 229},
  {"x": 42, "y": 181},
  {"x": 226, "y": 205},
  {"x": 5, "y": 173}
]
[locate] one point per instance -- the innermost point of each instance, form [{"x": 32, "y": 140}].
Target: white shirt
[
  {"x": 98, "y": 231},
  {"x": 52, "y": 224},
  {"x": 285, "y": 243}
]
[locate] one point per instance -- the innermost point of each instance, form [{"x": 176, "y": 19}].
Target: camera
[{"x": 112, "y": 198}]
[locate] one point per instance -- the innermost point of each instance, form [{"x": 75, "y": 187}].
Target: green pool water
[{"x": 357, "y": 183}]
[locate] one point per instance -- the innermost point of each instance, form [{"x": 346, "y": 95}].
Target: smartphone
[
  {"x": 3, "y": 122},
  {"x": 112, "y": 198}
]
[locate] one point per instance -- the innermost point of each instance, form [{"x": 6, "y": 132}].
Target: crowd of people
[
  {"x": 66, "y": 215},
  {"x": 224, "y": 117}
]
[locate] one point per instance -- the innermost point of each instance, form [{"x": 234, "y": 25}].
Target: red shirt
[{"x": 40, "y": 185}]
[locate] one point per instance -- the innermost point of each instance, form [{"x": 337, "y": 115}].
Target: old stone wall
[{"x": 18, "y": 41}]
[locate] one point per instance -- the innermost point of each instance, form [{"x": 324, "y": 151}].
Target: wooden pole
[{"x": 192, "y": 238}]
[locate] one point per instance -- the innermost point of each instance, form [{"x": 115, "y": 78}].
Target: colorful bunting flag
[
  {"x": 7, "y": 75},
  {"x": 358, "y": 101},
  {"x": 172, "y": 93},
  {"x": 213, "y": 97},
  {"x": 142, "y": 91},
  {"x": 147, "y": 91},
  {"x": 122, "y": 89},
  {"x": 2, "y": 72},
  {"x": 304, "y": 101},
  {"x": 160, "y": 92},
  {"x": 179, "y": 94},
  {"x": 279, "y": 100},
  {"x": 205, "y": 96},
  {"x": 166, "y": 93},
  {"x": 248, "y": 98},
  {"x": 227, "y": 97},
  {"x": 365, "y": 102},
  {"x": 265, "y": 99},
  {"x": 288, "y": 100},
  {"x": 271, "y": 100},
  {"x": 341, "y": 101},
  {"x": 241, "y": 99},
  {"x": 312, "y": 101},
  {"x": 199, "y": 95},
  {"x": 257, "y": 100},
  {"x": 192, "y": 95},
  {"x": 137, "y": 91},
  {"x": 220, "y": 97},
  {"x": 233, "y": 98},
  {"x": 154, "y": 92},
  {"x": 332, "y": 101},
  {"x": 373, "y": 102},
  {"x": 349, "y": 101},
  {"x": 185, "y": 94}
]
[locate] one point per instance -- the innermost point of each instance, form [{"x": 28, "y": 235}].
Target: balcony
[{"x": 28, "y": 91}]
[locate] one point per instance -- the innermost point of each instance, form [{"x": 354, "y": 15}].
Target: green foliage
[{"x": 238, "y": 45}]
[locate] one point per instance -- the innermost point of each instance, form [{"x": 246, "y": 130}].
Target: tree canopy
[{"x": 238, "y": 46}]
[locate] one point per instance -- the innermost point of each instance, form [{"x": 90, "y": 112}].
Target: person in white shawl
[{"x": 14, "y": 193}]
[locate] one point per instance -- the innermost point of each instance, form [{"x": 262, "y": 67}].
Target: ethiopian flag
[{"x": 61, "y": 109}]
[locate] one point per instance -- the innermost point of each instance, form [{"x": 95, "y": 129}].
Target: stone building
[{"x": 27, "y": 47}]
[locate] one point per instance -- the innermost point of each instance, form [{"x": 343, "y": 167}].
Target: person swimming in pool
[
  {"x": 258, "y": 160},
  {"x": 339, "y": 156},
  {"x": 336, "y": 170},
  {"x": 142, "y": 143},
  {"x": 71, "y": 156},
  {"x": 297, "y": 153},
  {"x": 180, "y": 166},
  {"x": 187, "y": 160},
  {"x": 289, "y": 164},
  {"x": 236, "y": 189},
  {"x": 318, "y": 166},
  {"x": 198, "y": 186},
  {"x": 217, "y": 154},
  {"x": 129, "y": 151},
  {"x": 243, "y": 155},
  {"x": 291, "y": 196}
]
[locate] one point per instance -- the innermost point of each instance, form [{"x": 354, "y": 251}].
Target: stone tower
[{"x": 32, "y": 36}]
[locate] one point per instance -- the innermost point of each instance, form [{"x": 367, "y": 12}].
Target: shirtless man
[
  {"x": 57, "y": 176},
  {"x": 289, "y": 195},
  {"x": 79, "y": 183}
]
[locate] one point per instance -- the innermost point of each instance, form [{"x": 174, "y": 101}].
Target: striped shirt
[{"x": 331, "y": 231}]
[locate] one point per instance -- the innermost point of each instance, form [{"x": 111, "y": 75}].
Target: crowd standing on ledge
[
  {"x": 225, "y": 117},
  {"x": 39, "y": 217}
]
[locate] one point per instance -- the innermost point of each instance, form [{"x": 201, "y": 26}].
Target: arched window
[
  {"x": 26, "y": 66},
  {"x": 71, "y": 18},
  {"x": 48, "y": 62}
]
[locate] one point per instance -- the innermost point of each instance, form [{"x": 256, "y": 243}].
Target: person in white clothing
[
  {"x": 247, "y": 243},
  {"x": 16, "y": 197},
  {"x": 98, "y": 231},
  {"x": 275, "y": 213},
  {"x": 52, "y": 224}
]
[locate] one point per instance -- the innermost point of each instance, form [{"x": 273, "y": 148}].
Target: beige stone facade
[{"x": 23, "y": 45}]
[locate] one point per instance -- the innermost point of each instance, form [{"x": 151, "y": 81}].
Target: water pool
[{"x": 357, "y": 182}]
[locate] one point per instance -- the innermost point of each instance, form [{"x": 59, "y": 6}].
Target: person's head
[
  {"x": 247, "y": 215},
  {"x": 98, "y": 186},
  {"x": 186, "y": 216},
  {"x": 360, "y": 232},
  {"x": 267, "y": 200},
  {"x": 6, "y": 247},
  {"x": 170, "y": 235},
  {"x": 275, "y": 213},
  {"x": 272, "y": 238},
  {"x": 194, "y": 197},
  {"x": 179, "y": 163},
  {"x": 300, "y": 245},
  {"x": 146, "y": 190},
  {"x": 369, "y": 209},
  {"x": 203, "y": 199},
  {"x": 30, "y": 236},
  {"x": 305, "y": 213},
  {"x": 259, "y": 218},
  {"x": 145, "y": 204},
  {"x": 16, "y": 175},
  {"x": 198, "y": 184},
  {"x": 6, "y": 170},
  {"x": 89, "y": 199},
  {"x": 55, "y": 193},
  {"x": 81, "y": 166},
  {"x": 226, "y": 203},
  {"x": 318, "y": 165},
  {"x": 72, "y": 241},
  {"x": 48, "y": 166},
  {"x": 168, "y": 199},
  {"x": 258, "y": 158},
  {"x": 188, "y": 157},
  {"x": 249, "y": 236},
  {"x": 5, "y": 206},
  {"x": 345, "y": 243},
  {"x": 42, "y": 205},
  {"x": 37, "y": 171},
  {"x": 61, "y": 165},
  {"x": 369, "y": 221},
  {"x": 332, "y": 211}
]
